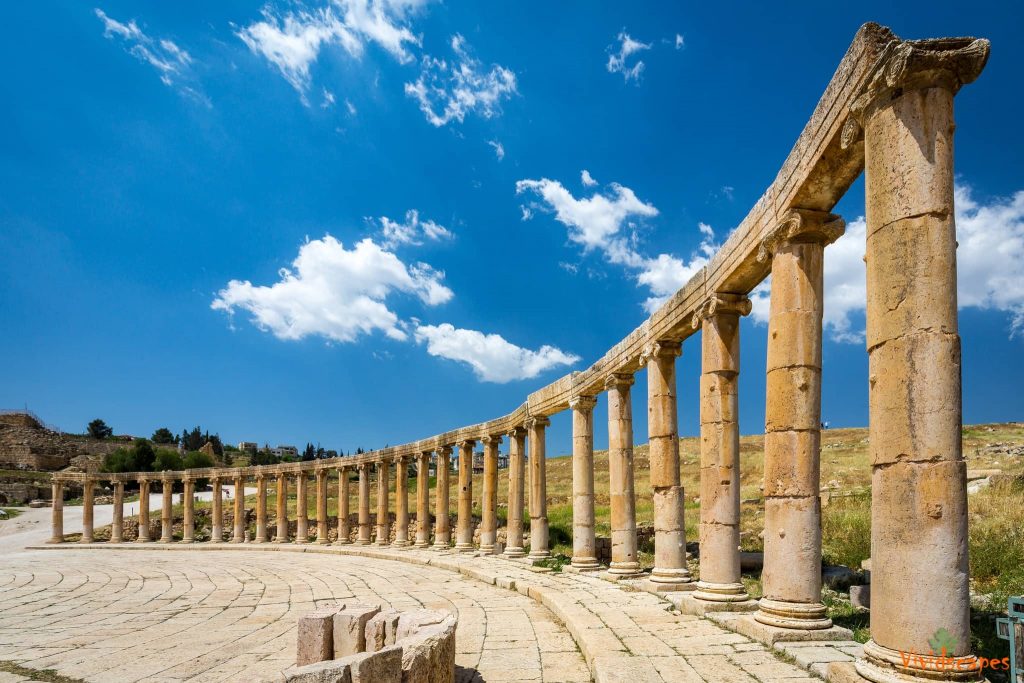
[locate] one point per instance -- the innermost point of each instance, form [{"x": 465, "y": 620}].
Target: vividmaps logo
[{"x": 943, "y": 644}]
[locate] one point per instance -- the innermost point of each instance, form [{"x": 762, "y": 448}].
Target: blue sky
[{"x": 468, "y": 199}]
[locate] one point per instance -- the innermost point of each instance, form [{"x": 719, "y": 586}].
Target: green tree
[
  {"x": 143, "y": 455},
  {"x": 167, "y": 460},
  {"x": 163, "y": 436},
  {"x": 195, "y": 460},
  {"x": 98, "y": 429}
]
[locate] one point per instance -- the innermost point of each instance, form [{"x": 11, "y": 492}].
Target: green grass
[
  {"x": 12, "y": 512},
  {"x": 46, "y": 675}
]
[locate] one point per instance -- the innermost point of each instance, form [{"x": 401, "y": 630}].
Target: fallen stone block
[
  {"x": 379, "y": 628},
  {"x": 350, "y": 629},
  {"x": 860, "y": 596},
  {"x": 383, "y": 666},
  {"x": 315, "y": 637},
  {"x": 333, "y": 671}
]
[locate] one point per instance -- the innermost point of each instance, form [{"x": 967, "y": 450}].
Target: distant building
[
  {"x": 248, "y": 446},
  {"x": 285, "y": 451}
]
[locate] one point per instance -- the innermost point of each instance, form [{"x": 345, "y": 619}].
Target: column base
[
  {"x": 883, "y": 665},
  {"x": 514, "y": 552},
  {"x": 323, "y": 541},
  {"x": 652, "y": 586},
  {"x": 721, "y": 592},
  {"x": 624, "y": 570},
  {"x": 421, "y": 543},
  {"x": 343, "y": 541},
  {"x": 465, "y": 548},
  {"x": 216, "y": 539},
  {"x": 139, "y": 540},
  {"x": 537, "y": 555},
  {"x": 85, "y": 540},
  {"x": 116, "y": 540},
  {"x": 383, "y": 544},
  {"x": 187, "y": 540},
  {"x": 401, "y": 544},
  {"x": 280, "y": 539},
  {"x": 688, "y": 604},
  {"x": 792, "y": 615},
  {"x": 55, "y": 540},
  {"x": 300, "y": 540},
  {"x": 488, "y": 550},
  {"x": 362, "y": 541},
  {"x": 165, "y": 540},
  {"x": 750, "y": 626},
  {"x": 673, "y": 575}
]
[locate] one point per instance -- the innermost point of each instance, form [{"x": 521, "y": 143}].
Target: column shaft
[
  {"x": 88, "y": 493},
  {"x": 516, "y": 480},
  {"x": 344, "y": 526},
  {"x": 584, "y": 542},
  {"x": 364, "y": 505},
  {"x": 117, "y": 522},
  {"x": 57, "y": 513},
  {"x": 144, "y": 536},
  {"x": 301, "y": 508},
  {"x": 442, "y": 528},
  {"x": 261, "y": 509},
  {"x": 464, "y": 537},
  {"x": 239, "y": 535},
  {"x": 282, "y": 509},
  {"x": 423, "y": 501},
  {"x": 383, "y": 515},
  {"x": 217, "y": 523},
  {"x": 166, "y": 508},
  {"x": 188, "y": 514},
  {"x": 401, "y": 502},
  {"x": 321, "y": 508},
  {"x": 538, "y": 489},
  {"x": 625, "y": 562},
  {"x": 489, "y": 507},
  {"x": 720, "y": 450}
]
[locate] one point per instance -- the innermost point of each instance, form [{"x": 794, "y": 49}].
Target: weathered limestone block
[
  {"x": 383, "y": 666},
  {"x": 791, "y": 403},
  {"x": 409, "y": 623},
  {"x": 429, "y": 656},
  {"x": 350, "y": 629},
  {"x": 380, "y": 630},
  {"x": 331, "y": 671},
  {"x": 315, "y": 637}
]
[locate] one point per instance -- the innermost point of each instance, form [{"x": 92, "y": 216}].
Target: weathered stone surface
[
  {"x": 315, "y": 637},
  {"x": 860, "y": 596},
  {"x": 331, "y": 671},
  {"x": 350, "y": 629},
  {"x": 380, "y": 630},
  {"x": 382, "y": 666}
]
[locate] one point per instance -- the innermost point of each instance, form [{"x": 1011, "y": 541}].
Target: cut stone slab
[
  {"x": 383, "y": 666},
  {"x": 658, "y": 588},
  {"x": 860, "y": 596},
  {"x": 380, "y": 630},
  {"x": 315, "y": 637},
  {"x": 350, "y": 629},
  {"x": 769, "y": 635},
  {"x": 843, "y": 672},
  {"x": 332, "y": 671},
  {"x": 612, "y": 669},
  {"x": 687, "y": 604}
]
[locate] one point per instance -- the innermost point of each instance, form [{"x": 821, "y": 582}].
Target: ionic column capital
[
  {"x": 494, "y": 439},
  {"x": 167, "y": 478},
  {"x": 721, "y": 304},
  {"x": 916, "y": 65},
  {"x": 539, "y": 421},
  {"x": 582, "y": 402},
  {"x": 619, "y": 379},
  {"x": 363, "y": 466},
  {"x": 444, "y": 451},
  {"x": 516, "y": 432},
  {"x": 802, "y": 225},
  {"x": 661, "y": 348},
  {"x": 467, "y": 443}
]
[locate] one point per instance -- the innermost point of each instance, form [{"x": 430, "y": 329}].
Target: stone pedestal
[
  {"x": 344, "y": 511},
  {"x": 239, "y": 509},
  {"x": 57, "y": 513},
  {"x": 301, "y": 508},
  {"x": 464, "y": 537},
  {"x": 442, "y": 528},
  {"x": 383, "y": 516},
  {"x": 166, "y": 508},
  {"x": 188, "y": 532},
  {"x": 489, "y": 516},
  {"x": 670, "y": 570},
  {"x": 363, "y": 537},
  {"x": 401, "y": 502},
  {"x": 516, "y": 480},
  {"x": 719, "y": 320},
  {"x": 539, "y": 549},
  {"x": 117, "y": 523},
  {"x": 217, "y": 523},
  {"x": 88, "y": 492},
  {"x": 625, "y": 562},
  {"x": 423, "y": 500},
  {"x": 584, "y": 544},
  {"x": 143, "y": 512},
  {"x": 281, "y": 494}
]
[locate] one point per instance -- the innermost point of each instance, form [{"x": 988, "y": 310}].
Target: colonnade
[{"x": 888, "y": 113}]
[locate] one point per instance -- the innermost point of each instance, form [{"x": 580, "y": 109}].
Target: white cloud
[
  {"x": 587, "y": 179},
  {"x": 172, "y": 62},
  {"x": 680, "y": 43},
  {"x": 329, "y": 99},
  {"x": 665, "y": 274},
  {"x": 335, "y": 292},
  {"x": 617, "y": 60},
  {"x": 447, "y": 91},
  {"x": 492, "y": 358},
  {"x": 292, "y": 41},
  {"x": 351, "y": 108},
  {"x": 595, "y": 222},
  {"x": 412, "y": 232},
  {"x": 990, "y": 266},
  {"x": 499, "y": 149}
]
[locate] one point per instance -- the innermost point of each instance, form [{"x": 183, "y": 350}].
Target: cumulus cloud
[
  {"x": 492, "y": 358},
  {"x": 665, "y": 274},
  {"x": 617, "y": 59},
  {"x": 292, "y": 41},
  {"x": 172, "y": 62},
  {"x": 448, "y": 90},
  {"x": 335, "y": 292},
  {"x": 411, "y": 232},
  {"x": 990, "y": 266},
  {"x": 499, "y": 149},
  {"x": 587, "y": 179}
]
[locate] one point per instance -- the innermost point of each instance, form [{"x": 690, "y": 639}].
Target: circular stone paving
[{"x": 140, "y": 615}]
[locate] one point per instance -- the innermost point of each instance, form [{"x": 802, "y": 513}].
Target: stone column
[
  {"x": 321, "y": 508},
  {"x": 719, "y": 319},
  {"x": 383, "y": 515},
  {"x": 792, "y": 509},
  {"x": 88, "y": 493},
  {"x": 57, "y": 513},
  {"x": 301, "y": 508},
  {"x": 464, "y": 535},
  {"x": 442, "y": 528},
  {"x": 401, "y": 502},
  {"x": 919, "y": 579},
  {"x": 143, "y": 511},
  {"x": 344, "y": 526},
  {"x": 516, "y": 479},
  {"x": 670, "y": 570},
  {"x": 217, "y": 523},
  {"x": 538, "y": 489},
  {"x": 584, "y": 544},
  {"x": 282, "y": 508},
  {"x": 423, "y": 501},
  {"x": 239, "y": 535},
  {"x": 261, "y": 508},
  {"x": 364, "y": 504},
  {"x": 117, "y": 522},
  {"x": 625, "y": 563},
  {"x": 489, "y": 503},
  {"x": 167, "y": 494},
  {"x": 188, "y": 533}
]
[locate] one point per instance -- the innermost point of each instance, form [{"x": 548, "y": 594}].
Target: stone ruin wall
[{"x": 27, "y": 444}]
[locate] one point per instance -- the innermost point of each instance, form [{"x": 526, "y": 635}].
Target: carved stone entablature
[
  {"x": 619, "y": 379},
  {"x": 582, "y": 402},
  {"x": 802, "y": 225},
  {"x": 719, "y": 304},
  {"x": 663, "y": 348},
  {"x": 916, "y": 65}
]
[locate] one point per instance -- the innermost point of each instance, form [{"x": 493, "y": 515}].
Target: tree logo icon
[{"x": 942, "y": 643}]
